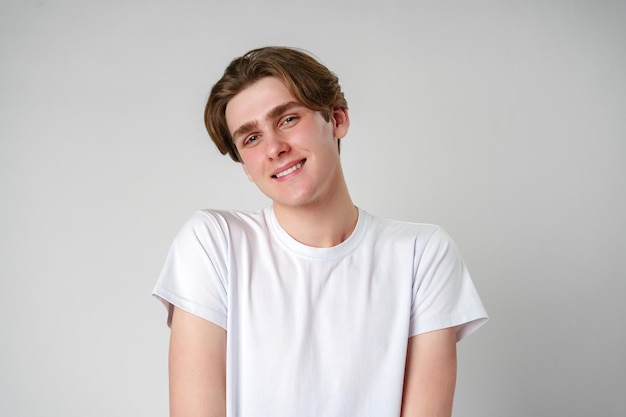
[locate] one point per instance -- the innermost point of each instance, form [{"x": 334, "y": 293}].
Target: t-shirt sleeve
[
  {"x": 194, "y": 276},
  {"x": 443, "y": 292}
]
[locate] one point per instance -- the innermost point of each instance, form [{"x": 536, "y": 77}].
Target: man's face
[{"x": 289, "y": 151}]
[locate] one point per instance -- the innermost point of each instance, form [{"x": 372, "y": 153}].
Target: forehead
[{"x": 254, "y": 102}]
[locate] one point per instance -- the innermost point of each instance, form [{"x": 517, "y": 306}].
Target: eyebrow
[{"x": 274, "y": 112}]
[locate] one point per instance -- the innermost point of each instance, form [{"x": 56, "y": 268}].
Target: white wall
[{"x": 505, "y": 122}]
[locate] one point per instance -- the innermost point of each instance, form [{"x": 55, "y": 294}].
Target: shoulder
[
  {"x": 424, "y": 241},
  {"x": 222, "y": 225},
  {"x": 404, "y": 230},
  {"x": 214, "y": 219}
]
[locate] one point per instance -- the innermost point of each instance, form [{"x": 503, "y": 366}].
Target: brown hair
[{"x": 311, "y": 84}]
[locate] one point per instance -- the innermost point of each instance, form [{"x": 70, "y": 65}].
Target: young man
[{"x": 310, "y": 307}]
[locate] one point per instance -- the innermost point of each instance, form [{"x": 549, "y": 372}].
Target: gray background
[{"x": 502, "y": 121}]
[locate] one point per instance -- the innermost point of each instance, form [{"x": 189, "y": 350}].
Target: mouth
[{"x": 289, "y": 170}]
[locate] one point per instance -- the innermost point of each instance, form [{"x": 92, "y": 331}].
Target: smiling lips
[{"x": 289, "y": 170}]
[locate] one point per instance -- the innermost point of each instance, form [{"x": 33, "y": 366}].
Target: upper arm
[
  {"x": 430, "y": 374},
  {"x": 197, "y": 366}
]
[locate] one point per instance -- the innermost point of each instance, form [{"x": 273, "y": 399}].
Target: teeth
[{"x": 289, "y": 170}]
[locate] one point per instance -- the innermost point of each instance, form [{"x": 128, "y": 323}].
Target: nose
[{"x": 275, "y": 146}]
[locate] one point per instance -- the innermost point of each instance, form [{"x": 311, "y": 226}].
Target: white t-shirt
[{"x": 317, "y": 331}]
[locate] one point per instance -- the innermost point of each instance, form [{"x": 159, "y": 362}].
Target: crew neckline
[{"x": 338, "y": 251}]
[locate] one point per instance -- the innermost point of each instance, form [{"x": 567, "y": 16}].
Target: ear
[
  {"x": 246, "y": 171},
  {"x": 341, "y": 122}
]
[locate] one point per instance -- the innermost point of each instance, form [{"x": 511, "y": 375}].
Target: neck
[{"x": 322, "y": 225}]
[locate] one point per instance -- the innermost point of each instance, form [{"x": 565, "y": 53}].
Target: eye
[
  {"x": 250, "y": 139},
  {"x": 288, "y": 120}
]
